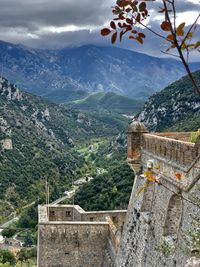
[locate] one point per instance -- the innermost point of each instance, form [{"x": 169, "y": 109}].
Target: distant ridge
[
  {"x": 72, "y": 73},
  {"x": 108, "y": 102}
]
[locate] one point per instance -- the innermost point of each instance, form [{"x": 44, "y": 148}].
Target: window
[
  {"x": 68, "y": 213},
  {"x": 52, "y": 213}
]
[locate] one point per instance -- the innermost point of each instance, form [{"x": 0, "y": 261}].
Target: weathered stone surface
[
  {"x": 159, "y": 218},
  {"x": 6, "y": 144},
  {"x": 68, "y": 236},
  {"x": 193, "y": 262},
  {"x": 72, "y": 244}
]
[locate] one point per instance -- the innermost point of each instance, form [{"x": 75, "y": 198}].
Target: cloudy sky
[{"x": 62, "y": 23}]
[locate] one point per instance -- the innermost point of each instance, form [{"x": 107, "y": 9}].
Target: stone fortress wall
[
  {"x": 68, "y": 236},
  {"x": 161, "y": 214}
]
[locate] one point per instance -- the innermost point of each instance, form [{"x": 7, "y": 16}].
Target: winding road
[{"x": 6, "y": 224}]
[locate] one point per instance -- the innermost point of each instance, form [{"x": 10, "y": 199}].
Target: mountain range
[
  {"x": 73, "y": 73},
  {"x": 39, "y": 139}
]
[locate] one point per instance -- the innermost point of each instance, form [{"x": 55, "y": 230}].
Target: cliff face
[{"x": 176, "y": 108}]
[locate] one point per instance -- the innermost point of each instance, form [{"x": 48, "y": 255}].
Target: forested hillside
[
  {"x": 108, "y": 102},
  {"x": 37, "y": 141},
  {"x": 176, "y": 108},
  {"x": 110, "y": 189}
]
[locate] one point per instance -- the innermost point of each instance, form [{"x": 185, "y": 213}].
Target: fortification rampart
[
  {"x": 72, "y": 237},
  {"x": 160, "y": 212}
]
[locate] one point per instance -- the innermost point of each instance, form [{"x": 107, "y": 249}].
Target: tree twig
[
  {"x": 164, "y": 52},
  {"x": 195, "y": 22},
  {"x": 156, "y": 33},
  {"x": 178, "y": 47}
]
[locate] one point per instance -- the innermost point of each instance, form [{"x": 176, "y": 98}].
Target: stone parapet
[
  {"x": 72, "y": 244},
  {"x": 171, "y": 154},
  {"x": 77, "y": 237},
  {"x": 172, "y": 150}
]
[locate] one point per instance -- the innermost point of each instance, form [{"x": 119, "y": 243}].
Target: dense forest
[{"x": 44, "y": 137}]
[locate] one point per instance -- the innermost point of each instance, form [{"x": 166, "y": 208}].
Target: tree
[
  {"x": 26, "y": 254},
  {"x": 28, "y": 241},
  {"x": 29, "y": 217},
  {"x": 23, "y": 255},
  {"x": 129, "y": 14},
  {"x": 7, "y": 264},
  {"x": 8, "y": 232},
  {"x": 7, "y": 257}
]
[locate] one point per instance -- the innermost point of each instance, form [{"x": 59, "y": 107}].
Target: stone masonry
[
  {"x": 160, "y": 214},
  {"x": 156, "y": 229},
  {"x": 68, "y": 236}
]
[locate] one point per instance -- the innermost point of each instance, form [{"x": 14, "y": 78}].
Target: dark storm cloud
[
  {"x": 27, "y": 22},
  {"x": 39, "y": 13},
  {"x": 181, "y": 5},
  {"x": 64, "y": 39},
  {"x": 35, "y": 14}
]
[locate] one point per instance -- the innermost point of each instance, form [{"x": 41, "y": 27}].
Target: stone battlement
[
  {"x": 90, "y": 238},
  {"x": 169, "y": 153},
  {"x": 169, "y": 149}
]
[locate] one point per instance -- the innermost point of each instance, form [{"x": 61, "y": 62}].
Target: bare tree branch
[
  {"x": 195, "y": 87},
  {"x": 190, "y": 29}
]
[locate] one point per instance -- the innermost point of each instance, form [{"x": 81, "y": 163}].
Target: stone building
[
  {"x": 160, "y": 223},
  {"x": 68, "y": 236}
]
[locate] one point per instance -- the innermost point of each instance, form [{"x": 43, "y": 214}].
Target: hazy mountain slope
[
  {"x": 108, "y": 102},
  {"x": 71, "y": 73},
  {"x": 175, "y": 108},
  {"x": 35, "y": 141},
  {"x": 36, "y": 70},
  {"x": 119, "y": 70}
]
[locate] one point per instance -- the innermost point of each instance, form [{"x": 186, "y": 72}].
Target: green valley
[
  {"x": 108, "y": 102},
  {"x": 38, "y": 142}
]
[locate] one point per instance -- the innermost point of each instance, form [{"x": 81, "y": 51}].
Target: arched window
[{"x": 173, "y": 217}]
